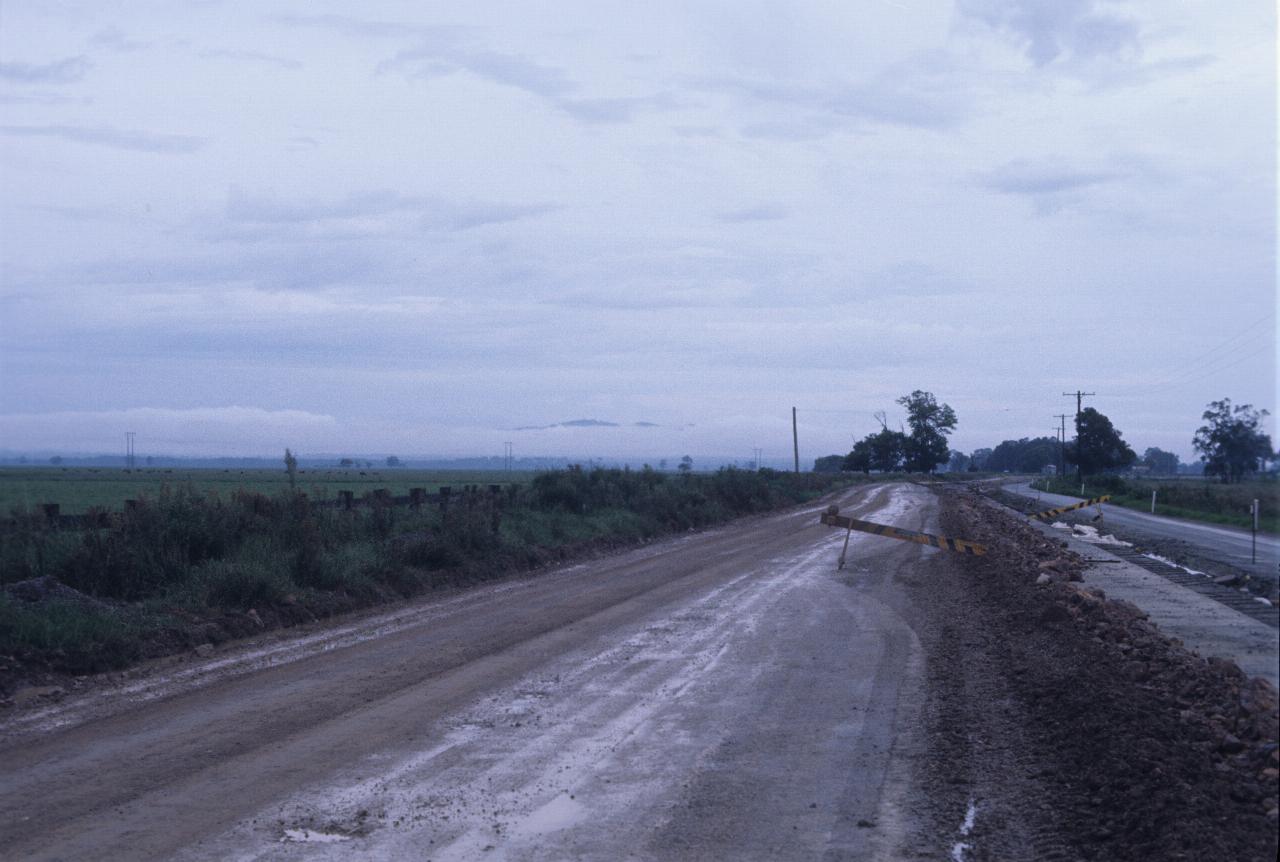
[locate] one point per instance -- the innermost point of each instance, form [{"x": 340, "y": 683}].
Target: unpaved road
[{"x": 722, "y": 695}]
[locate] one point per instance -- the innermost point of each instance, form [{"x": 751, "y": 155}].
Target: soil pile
[{"x": 1084, "y": 731}]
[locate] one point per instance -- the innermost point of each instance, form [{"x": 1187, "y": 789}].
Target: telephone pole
[
  {"x": 128, "y": 448},
  {"x": 1062, "y": 444},
  {"x": 1079, "y": 396},
  {"x": 795, "y": 438}
]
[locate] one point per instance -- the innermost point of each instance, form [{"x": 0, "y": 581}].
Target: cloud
[
  {"x": 1057, "y": 30},
  {"x": 922, "y": 92},
  {"x": 115, "y": 39},
  {"x": 252, "y": 56},
  {"x": 66, "y": 71},
  {"x": 362, "y": 208},
  {"x": 761, "y": 212},
  {"x": 124, "y": 139},
  {"x": 377, "y": 29},
  {"x": 1022, "y": 177},
  {"x": 441, "y": 50}
]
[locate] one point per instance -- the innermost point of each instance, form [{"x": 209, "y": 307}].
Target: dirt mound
[{"x": 1110, "y": 741}]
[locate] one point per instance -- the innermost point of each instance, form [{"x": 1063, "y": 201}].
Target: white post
[
  {"x": 1253, "y": 552},
  {"x": 1153, "y": 502}
]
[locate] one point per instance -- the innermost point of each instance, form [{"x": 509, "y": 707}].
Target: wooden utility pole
[
  {"x": 795, "y": 438},
  {"x": 1080, "y": 396},
  {"x": 1062, "y": 444}
]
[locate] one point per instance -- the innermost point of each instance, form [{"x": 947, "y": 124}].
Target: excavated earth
[{"x": 1077, "y": 729}]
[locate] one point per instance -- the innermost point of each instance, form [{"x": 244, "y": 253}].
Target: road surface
[
  {"x": 1228, "y": 545},
  {"x": 722, "y": 695}
]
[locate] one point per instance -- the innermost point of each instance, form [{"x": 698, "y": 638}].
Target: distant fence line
[{"x": 468, "y": 495}]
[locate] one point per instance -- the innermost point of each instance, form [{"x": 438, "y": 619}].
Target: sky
[{"x": 435, "y": 228}]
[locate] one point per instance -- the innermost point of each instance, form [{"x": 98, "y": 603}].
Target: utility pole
[
  {"x": 1079, "y": 396},
  {"x": 755, "y": 452},
  {"x": 128, "y": 448},
  {"x": 1062, "y": 444},
  {"x": 795, "y": 438},
  {"x": 506, "y": 454}
]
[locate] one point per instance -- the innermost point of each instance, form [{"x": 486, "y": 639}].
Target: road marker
[
  {"x": 832, "y": 518},
  {"x": 1049, "y": 513}
]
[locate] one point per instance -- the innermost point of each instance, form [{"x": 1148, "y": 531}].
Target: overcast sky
[{"x": 416, "y": 227}]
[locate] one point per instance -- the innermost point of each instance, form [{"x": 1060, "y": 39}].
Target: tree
[
  {"x": 1028, "y": 455},
  {"x": 930, "y": 422},
  {"x": 1160, "y": 462},
  {"x": 859, "y": 458},
  {"x": 346, "y": 462},
  {"x": 886, "y": 450},
  {"x": 1232, "y": 444},
  {"x": 685, "y": 466},
  {"x": 978, "y": 459},
  {"x": 393, "y": 461},
  {"x": 1098, "y": 445},
  {"x": 958, "y": 462},
  {"x": 291, "y": 467},
  {"x": 829, "y": 464}
]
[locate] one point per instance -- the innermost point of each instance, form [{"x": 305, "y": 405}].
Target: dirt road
[
  {"x": 726, "y": 694},
  {"x": 722, "y": 695}
]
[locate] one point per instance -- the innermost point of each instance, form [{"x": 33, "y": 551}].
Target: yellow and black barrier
[
  {"x": 960, "y": 546},
  {"x": 1049, "y": 513}
]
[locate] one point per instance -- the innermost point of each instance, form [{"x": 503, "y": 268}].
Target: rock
[
  {"x": 1044, "y": 579},
  {"x": 34, "y": 693},
  {"x": 204, "y": 650},
  {"x": 1230, "y": 744},
  {"x": 1054, "y": 613}
]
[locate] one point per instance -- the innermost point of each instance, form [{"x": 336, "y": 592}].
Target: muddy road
[{"x": 726, "y": 694}]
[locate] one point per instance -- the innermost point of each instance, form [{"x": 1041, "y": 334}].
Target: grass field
[{"x": 77, "y": 489}]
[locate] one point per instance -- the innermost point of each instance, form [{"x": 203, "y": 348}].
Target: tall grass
[{"x": 184, "y": 555}]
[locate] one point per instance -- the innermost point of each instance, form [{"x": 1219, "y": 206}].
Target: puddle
[
  {"x": 560, "y": 813},
  {"x": 1086, "y": 533},
  {"x": 306, "y": 836},
  {"x": 1170, "y": 563},
  {"x": 957, "y": 849}
]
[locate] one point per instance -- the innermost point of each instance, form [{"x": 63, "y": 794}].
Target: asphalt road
[
  {"x": 722, "y": 695},
  {"x": 1228, "y": 545}
]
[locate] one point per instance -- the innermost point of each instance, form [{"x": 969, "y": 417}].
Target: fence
[{"x": 468, "y": 495}]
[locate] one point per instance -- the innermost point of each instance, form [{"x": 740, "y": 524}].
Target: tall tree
[
  {"x": 931, "y": 422},
  {"x": 887, "y": 450},
  {"x": 1231, "y": 443},
  {"x": 1160, "y": 462},
  {"x": 859, "y": 458},
  {"x": 1098, "y": 445}
]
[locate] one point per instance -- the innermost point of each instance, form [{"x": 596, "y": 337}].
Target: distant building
[{"x": 1049, "y": 470}]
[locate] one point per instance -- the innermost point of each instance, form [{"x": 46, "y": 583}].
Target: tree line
[{"x": 1231, "y": 445}]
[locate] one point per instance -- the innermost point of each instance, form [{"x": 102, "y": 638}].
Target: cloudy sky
[{"x": 417, "y": 227}]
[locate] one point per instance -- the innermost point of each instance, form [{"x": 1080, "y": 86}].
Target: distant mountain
[{"x": 584, "y": 423}]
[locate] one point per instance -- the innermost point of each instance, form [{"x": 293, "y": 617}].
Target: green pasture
[{"x": 77, "y": 489}]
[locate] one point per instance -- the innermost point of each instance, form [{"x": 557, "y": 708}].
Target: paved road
[
  {"x": 722, "y": 695},
  {"x": 1228, "y": 545}
]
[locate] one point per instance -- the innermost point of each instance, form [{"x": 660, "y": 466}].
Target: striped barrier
[
  {"x": 1049, "y": 513},
  {"x": 960, "y": 546}
]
